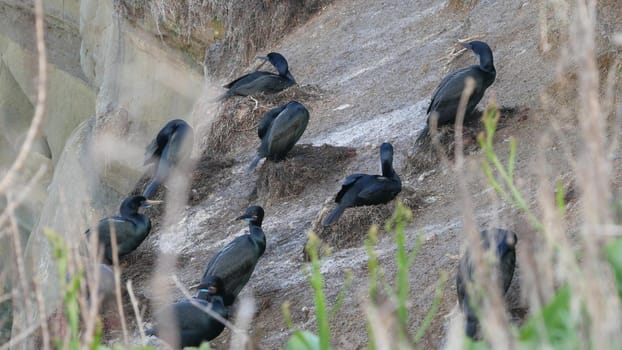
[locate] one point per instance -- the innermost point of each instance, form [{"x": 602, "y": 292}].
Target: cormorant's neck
[
  {"x": 486, "y": 63},
  {"x": 255, "y": 228},
  {"x": 203, "y": 294},
  {"x": 387, "y": 169},
  {"x": 289, "y": 76},
  {"x": 137, "y": 218},
  {"x": 129, "y": 213},
  {"x": 257, "y": 236}
]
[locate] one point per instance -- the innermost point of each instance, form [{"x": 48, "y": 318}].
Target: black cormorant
[
  {"x": 172, "y": 145},
  {"x": 504, "y": 243},
  {"x": 362, "y": 189},
  {"x": 193, "y": 324},
  {"x": 236, "y": 261},
  {"x": 131, "y": 227},
  {"x": 446, "y": 97},
  {"x": 279, "y": 130},
  {"x": 261, "y": 81}
]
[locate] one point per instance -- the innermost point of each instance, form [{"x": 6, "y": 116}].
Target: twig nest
[
  {"x": 427, "y": 152},
  {"x": 236, "y": 127},
  {"x": 305, "y": 164},
  {"x": 353, "y": 226}
]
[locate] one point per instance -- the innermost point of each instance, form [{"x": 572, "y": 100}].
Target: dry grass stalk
[
  {"x": 39, "y": 114},
  {"x": 134, "y": 301},
  {"x": 176, "y": 198},
  {"x": 117, "y": 278},
  {"x": 8, "y": 179},
  {"x": 594, "y": 179}
]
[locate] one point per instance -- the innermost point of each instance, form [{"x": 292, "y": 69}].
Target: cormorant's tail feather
[
  {"x": 425, "y": 133},
  {"x": 151, "y": 189},
  {"x": 333, "y": 216},
  {"x": 221, "y": 97},
  {"x": 253, "y": 164}
]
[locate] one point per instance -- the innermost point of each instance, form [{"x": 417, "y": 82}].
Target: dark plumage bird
[
  {"x": 503, "y": 242},
  {"x": 131, "y": 227},
  {"x": 194, "y": 325},
  {"x": 172, "y": 145},
  {"x": 263, "y": 82},
  {"x": 236, "y": 261},
  {"x": 446, "y": 97},
  {"x": 279, "y": 130},
  {"x": 361, "y": 189}
]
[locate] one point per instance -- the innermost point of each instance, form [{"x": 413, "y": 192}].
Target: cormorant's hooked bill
[
  {"x": 503, "y": 243},
  {"x": 130, "y": 227},
  {"x": 362, "y": 189},
  {"x": 171, "y": 147},
  {"x": 262, "y": 82},
  {"x": 446, "y": 97},
  {"x": 279, "y": 130},
  {"x": 236, "y": 261}
]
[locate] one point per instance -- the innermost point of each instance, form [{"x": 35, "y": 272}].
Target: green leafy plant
[
  {"x": 613, "y": 251},
  {"x": 302, "y": 339},
  {"x": 397, "y": 224},
  {"x": 505, "y": 186},
  {"x": 70, "y": 287},
  {"x": 71, "y": 279},
  {"x": 552, "y": 325}
]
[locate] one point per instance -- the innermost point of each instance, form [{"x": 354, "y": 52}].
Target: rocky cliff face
[
  {"x": 120, "y": 69},
  {"x": 111, "y": 87},
  {"x": 115, "y": 77}
]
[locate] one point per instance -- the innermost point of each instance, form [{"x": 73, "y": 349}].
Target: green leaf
[
  {"x": 560, "y": 194},
  {"x": 303, "y": 340},
  {"x": 614, "y": 255},
  {"x": 553, "y": 325},
  {"x": 471, "y": 344}
]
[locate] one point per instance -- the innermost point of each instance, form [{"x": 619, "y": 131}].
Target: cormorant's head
[
  {"x": 386, "y": 152},
  {"x": 280, "y": 64},
  {"x": 132, "y": 204},
  {"x": 213, "y": 285},
  {"x": 479, "y": 48},
  {"x": 504, "y": 240},
  {"x": 167, "y": 131},
  {"x": 483, "y": 53},
  {"x": 253, "y": 214},
  {"x": 294, "y": 104},
  {"x": 176, "y": 123}
]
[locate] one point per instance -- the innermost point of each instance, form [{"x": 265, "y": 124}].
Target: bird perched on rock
[
  {"x": 362, "y": 189},
  {"x": 503, "y": 243},
  {"x": 261, "y": 82},
  {"x": 279, "y": 130},
  {"x": 446, "y": 97},
  {"x": 236, "y": 261},
  {"x": 170, "y": 148},
  {"x": 130, "y": 227},
  {"x": 192, "y": 323}
]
